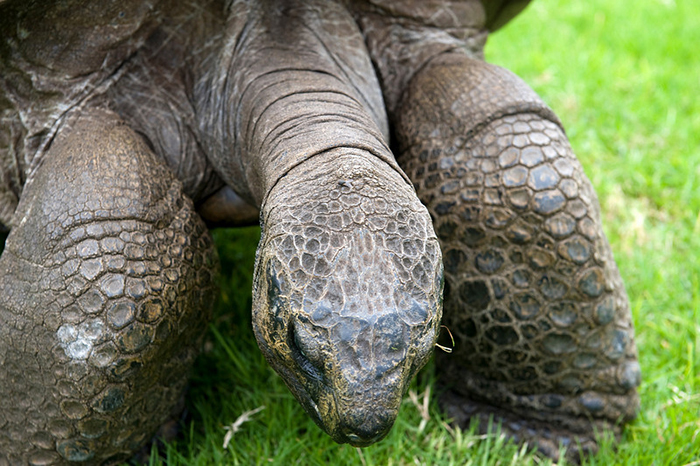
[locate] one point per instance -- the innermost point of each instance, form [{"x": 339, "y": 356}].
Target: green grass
[{"x": 624, "y": 78}]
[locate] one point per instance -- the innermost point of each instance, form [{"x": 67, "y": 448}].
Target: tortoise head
[{"x": 347, "y": 294}]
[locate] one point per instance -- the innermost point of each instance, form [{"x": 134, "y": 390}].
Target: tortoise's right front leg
[
  {"x": 545, "y": 341},
  {"x": 105, "y": 288},
  {"x": 544, "y": 338}
]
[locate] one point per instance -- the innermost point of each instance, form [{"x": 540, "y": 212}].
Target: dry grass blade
[
  {"x": 362, "y": 457},
  {"x": 236, "y": 426},
  {"x": 422, "y": 407},
  {"x": 445, "y": 348}
]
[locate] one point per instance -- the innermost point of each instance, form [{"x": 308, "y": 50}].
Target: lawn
[{"x": 624, "y": 78}]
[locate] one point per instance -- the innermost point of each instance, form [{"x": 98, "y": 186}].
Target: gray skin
[{"x": 366, "y": 136}]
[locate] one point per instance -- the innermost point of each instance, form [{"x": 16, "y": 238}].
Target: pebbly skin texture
[
  {"x": 102, "y": 317},
  {"x": 372, "y": 143},
  {"x": 347, "y": 301}
]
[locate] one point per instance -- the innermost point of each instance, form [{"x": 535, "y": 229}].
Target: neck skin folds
[{"x": 287, "y": 83}]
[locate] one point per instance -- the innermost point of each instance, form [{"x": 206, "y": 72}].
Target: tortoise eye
[{"x": 305, "y": 350}]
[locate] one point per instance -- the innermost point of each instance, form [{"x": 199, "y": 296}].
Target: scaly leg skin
[
  {"x": 104, "y": 288},
  {"x": 544, "y": 337}
]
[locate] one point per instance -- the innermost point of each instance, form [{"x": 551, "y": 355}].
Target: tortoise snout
[{"x": 367, "y": 426}]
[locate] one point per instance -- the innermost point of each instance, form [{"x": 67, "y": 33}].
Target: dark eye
[{"x": 305, "y": 352}]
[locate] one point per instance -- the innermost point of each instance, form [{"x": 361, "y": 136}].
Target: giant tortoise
[{"x": 385, "y": 161}]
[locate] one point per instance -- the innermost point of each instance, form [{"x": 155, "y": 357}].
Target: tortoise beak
[
  {"x": 367, "y": 429},
  {"x": 366, "y": 411}
]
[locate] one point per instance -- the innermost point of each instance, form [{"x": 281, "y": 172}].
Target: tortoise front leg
[
  {"x": 544, "y": 337},
  {"x": 105, "y": 284}
]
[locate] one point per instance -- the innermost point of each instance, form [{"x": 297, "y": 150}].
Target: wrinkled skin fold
[{"x": 372, "y": 143}]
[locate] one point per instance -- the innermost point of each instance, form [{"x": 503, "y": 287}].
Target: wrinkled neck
[
  {"x": 298, "y": 116},
  {"x": 292, "y": 81}
]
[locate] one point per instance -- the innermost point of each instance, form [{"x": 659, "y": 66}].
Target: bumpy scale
[
  {"x": 544, "y": 338},
  {"x": 105, "y": 285},
  {"x": 547, "y": 334},
  {"x": 347, "y": 296}
]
